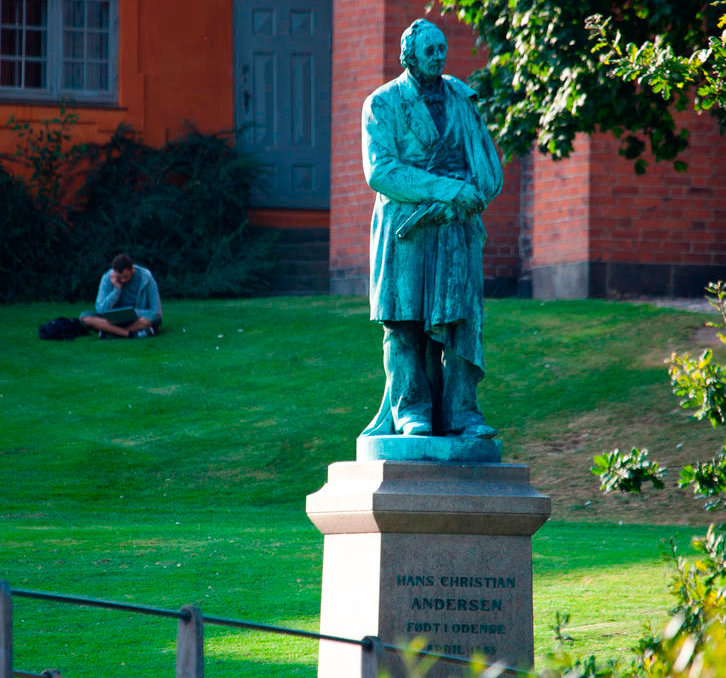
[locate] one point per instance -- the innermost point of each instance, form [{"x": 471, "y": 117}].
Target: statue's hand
[
  {"x": 448, "y": 213},
  {"x": 470, "y": 200}
]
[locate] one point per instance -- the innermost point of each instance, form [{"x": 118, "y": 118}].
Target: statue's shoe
[
  {"x": 417, "y": 428},
  {"x": 478, "y": 431}
]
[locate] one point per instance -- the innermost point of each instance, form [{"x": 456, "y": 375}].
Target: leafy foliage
[
  {"x": 694, "y": 643},
  {"x": 563, "y": 662},
  {"x": 36, "y": 237},
  {"x": 45, "y": 151},
  {"x": 180, "y": 210},
  {"x": 698, "y": 587},
  {"x": 542, "y": 83},
  {"x": 30, "y": 240},
  {"x": 657, "y": 64},
  {"x": 700, "y": 382},
  {"x": 708, "y": 480},
  {"x": 627, "y": 472}
]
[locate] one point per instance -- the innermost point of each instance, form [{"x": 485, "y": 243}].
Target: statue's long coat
[{"x": 434, "y": 274}]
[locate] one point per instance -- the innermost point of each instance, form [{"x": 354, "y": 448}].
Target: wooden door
[{"x": 282, "y": 97}]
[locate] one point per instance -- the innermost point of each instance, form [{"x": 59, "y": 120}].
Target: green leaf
[{"x": 680, "y": 166}]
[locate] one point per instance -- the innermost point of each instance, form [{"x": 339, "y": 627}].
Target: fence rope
[
  {"x": 366, "y": 643},
  {"x": 106, "y": 604},
  {"x": 182, "y": 614}
]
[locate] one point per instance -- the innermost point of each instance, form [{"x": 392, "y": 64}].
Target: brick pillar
[
  {"x": 526, "y": 224},
  {"x": 560, "y": 214}
]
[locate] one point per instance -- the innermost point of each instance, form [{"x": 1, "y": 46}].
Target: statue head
[{"x": 423, "y": 50}]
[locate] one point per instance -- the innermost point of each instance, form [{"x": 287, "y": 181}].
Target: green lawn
[{"x": 175, "y": 470}]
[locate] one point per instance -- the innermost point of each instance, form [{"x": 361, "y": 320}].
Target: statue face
[{"x": 430, "y": 54}]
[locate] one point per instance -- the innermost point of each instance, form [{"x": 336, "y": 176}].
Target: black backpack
[{"x": 62, "y": 328}]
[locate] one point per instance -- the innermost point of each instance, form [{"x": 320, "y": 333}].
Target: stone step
[
  {"x": 303, "y": 261},
  {"x": 303, "y": 251},
  {"x": 294, "y": 267}
]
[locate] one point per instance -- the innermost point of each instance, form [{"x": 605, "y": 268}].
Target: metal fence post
[
  {"x": 190, "y": 644},
  {"x": 371, "y": 656},
  {"x": 6, "y": 630}
]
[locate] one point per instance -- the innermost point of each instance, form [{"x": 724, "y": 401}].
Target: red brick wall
[
  {"x": 601, "y": 230},
  {"x": 502, "y": 254},
  {"x": 357, "y": 68},
  {"x": 362, "y": 62},
  {"x": 663, "y": 216}
]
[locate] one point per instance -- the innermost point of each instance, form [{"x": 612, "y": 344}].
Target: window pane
[
  {"x": 73, "y": 44},
  {"x": 74, "y": 14},
  {"x": 35, "y": 12},
  {"x": 35, "y": 43},
  {"x": 83, "y": 43},
  {"x": 98, "y": 15},
  {"x": 97, "y": 46},
  {"x": 34, "y": 74},
  {"x": 12, "y": 11},
  {"x": 72, "y": 75},
  {"x": 10, "y": 42},
  {"x": 97, "y": 77},
  {"x": 9, "y": 73}
]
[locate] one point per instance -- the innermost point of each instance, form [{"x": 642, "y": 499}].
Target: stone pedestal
[{"x": 427, "y": 548}]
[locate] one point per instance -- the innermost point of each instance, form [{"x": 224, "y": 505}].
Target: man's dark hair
[{"x": 121, "y": 262}]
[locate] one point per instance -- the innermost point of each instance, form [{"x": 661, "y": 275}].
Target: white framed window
[{"x": 59, "y": 49}]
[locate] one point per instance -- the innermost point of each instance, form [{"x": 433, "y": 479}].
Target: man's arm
[
  {"x": 149, "y": 303},
  {"x": 108, "y": 294}
]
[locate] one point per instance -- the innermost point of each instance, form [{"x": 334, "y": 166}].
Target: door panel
[{"x": 282, "y": 97}]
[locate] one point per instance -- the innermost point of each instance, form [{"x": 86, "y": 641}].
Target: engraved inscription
[
  {"x": 443, "y": 609},
  {"x": 470, "y": 605}
]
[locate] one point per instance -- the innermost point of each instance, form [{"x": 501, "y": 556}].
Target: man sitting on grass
[{"x": 126, "y": 285}]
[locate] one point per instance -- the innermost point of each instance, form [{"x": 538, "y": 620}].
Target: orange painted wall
[
  {"x": 175, "y": 64},
  {"x": 186, "y": 53}
]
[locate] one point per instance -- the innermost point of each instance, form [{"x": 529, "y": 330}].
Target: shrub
[
  {"x": 46, "y": 152},
  {"x": 179, "y": 210},
  {"x": 30, "y": 239},
  {"x": 34, "y": 231},
  {"x": 693, "y": 644}
]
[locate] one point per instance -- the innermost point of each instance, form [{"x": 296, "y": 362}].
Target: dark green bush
[
  {"x": 179, "y": 210},
  {"x": 30, "y": 239}
]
